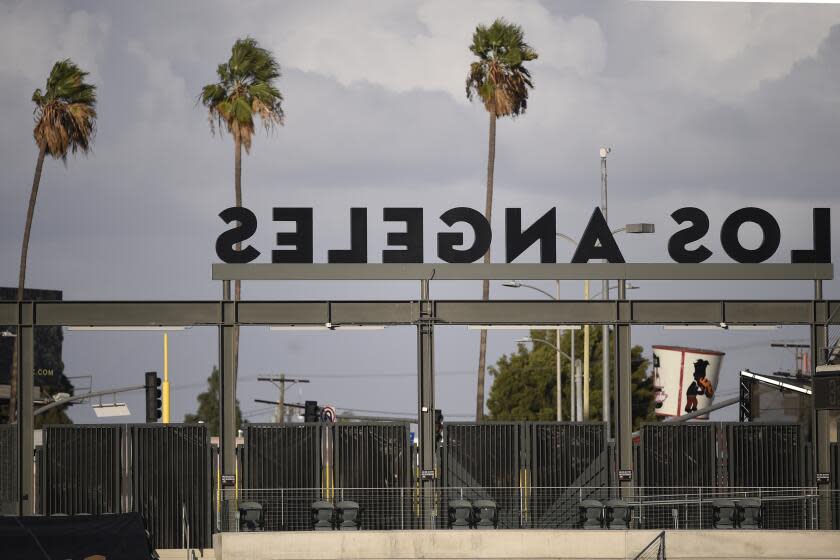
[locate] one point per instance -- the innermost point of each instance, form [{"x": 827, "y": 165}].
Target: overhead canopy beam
[
  {"x": 524, "y": 271},
  {"x": 407, "y": 312}
]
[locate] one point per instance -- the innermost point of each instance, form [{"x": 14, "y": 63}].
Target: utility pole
[{"x": 280, "y": 382}]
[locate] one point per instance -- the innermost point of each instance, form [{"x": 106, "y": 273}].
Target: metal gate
[
  {"x": 279, "y": 458},
  {"x": 483, "y": 461},
  {"x": 567, "y": 462},
  {"x": 676, "y": 460},
  {"x": 171, "y": 483},
  {"x": 82, "y": 469},
  {"x": 835, "y": 485},
  {"x": 8, "y": 469},
  {"x": 372, "y": 466}
]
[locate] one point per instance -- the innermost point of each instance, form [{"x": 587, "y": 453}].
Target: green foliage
[
  {"x": 499, "y": 77},
  {"x": 65, "y": 112},
  {"x": 524, "y": 383},
  {"x": 245, "y": 89},
  {"x": 208, "y": 406}
]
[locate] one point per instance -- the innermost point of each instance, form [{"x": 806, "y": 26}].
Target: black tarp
[{"x": 119, "y": 536}]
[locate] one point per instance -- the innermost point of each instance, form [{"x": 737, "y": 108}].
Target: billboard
[{"x": 684, "y": 379}]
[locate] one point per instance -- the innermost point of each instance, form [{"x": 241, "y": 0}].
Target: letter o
[{"x": 769, "y": 228}]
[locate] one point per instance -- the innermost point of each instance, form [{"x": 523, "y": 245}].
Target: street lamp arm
[
  {"x": 537, "y": 289},
  {"x": 571, "y": 240},
  {"x": 619, "y": 230},
  {"x": 74, "y": 398},
  {"x": 547, "y": 343}
]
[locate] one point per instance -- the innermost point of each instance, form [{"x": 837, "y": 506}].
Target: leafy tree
[
  {"x": 500, "y": 79},
  {"x": 65, "y": 120},
  {"x": 245, "y": 89},
  {"x": 208, "y": 406},
  {"x": 525, "y": 383}
]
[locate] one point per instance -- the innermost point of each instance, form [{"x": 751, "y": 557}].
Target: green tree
[
  {"x": 65, "y": 120},
  {"x": 524, "y": 383},
  {"x": 501, "y": 81},
  {"x": 245, "y": 89},
  {"x": 208, "y": 406}
]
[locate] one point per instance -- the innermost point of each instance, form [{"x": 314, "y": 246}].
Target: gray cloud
[{"x": 716, "y": 106}]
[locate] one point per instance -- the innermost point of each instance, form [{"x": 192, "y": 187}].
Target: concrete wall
[{"x": 533, "y": 544}]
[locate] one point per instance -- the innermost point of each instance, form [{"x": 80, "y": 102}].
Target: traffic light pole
[{"x": 426, "y": 404}]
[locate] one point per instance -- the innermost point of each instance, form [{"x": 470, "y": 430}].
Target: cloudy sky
[{"x": 713, "y": 105}]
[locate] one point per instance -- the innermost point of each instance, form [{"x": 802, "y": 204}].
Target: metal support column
[
  {"x": 25, "y": 418},
  {"x": 623, "y": 399},
  {"x": 227, "y": 391},
  {"x": 426, "y": 404},
  {"x": 820, "y": 433}
]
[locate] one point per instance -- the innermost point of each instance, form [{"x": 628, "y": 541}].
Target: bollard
[
  {"x": 749, "y": 512},
  {"x": 323, "y": 516},
  {"x": 349, "y": 516},
  {"x": 460, "y": 514},
  {"x": 485, "y": 514},
  {"x": 250, "y": 517},
  {"x": 725, "y": 514},
  {"x": 591, "y": 514},
  {"x": 617, "y": 514}
]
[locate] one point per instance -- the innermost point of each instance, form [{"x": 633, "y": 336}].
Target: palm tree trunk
[
  {"x": 24, "y": 250},
  {"x": 485, "y": 288},
  {"x": 237, "y": 285}
]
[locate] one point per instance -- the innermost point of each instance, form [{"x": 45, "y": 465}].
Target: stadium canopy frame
[{"x": 425, "y": 314}]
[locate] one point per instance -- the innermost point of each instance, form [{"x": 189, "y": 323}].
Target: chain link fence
[{"x": 519, "y": 507}]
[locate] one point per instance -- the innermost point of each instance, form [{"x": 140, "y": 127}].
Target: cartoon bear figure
[{"x": 700, "y": 386}]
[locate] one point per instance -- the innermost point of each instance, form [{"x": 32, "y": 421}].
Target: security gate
[
  {"x": 171, "y": 483},
  {"x": 82, "y": 469},
  {"x": 162, "y": 472}
]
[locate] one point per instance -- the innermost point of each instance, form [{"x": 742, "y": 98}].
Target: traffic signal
[
  {"x": 438, "y": 426},
  {"x": 153, "y": 403},
  {"x": 311, "y": 412}
]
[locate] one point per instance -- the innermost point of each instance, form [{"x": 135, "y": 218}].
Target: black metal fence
[
  {"x": 82, "y": 470},
  {"x": 162, "y": 472},
  {"x": 171, "y": 483},
  {"x": 8, "y": 469}
]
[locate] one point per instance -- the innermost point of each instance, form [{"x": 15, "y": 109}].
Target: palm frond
[
  {"x": 245, "y": 89},
  {"x": 65, "y": 111},
  {"x": 499, "y": 77}
]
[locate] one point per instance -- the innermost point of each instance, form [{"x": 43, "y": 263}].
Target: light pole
[
  {"x": 558, "y": 334},
  {"x": 576, "y": 412},
  {"x": 605, "y": 289}
]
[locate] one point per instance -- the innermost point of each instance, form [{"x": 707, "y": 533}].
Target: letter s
[
  {"x": 246, "y": 227},
  {"x": 698, "y": 228}
]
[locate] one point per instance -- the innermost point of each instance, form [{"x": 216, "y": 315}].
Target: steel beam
[
  {"x": 820, "y": 430},
  {"x": 406, "y": 312},
  {"x": 426, "y": 404},
  {"x": 624, "y": 395},
  {"x": 227, "y": 388},
  {"x": 25, "y": 419},
  {"x": 524, "y": 271}
]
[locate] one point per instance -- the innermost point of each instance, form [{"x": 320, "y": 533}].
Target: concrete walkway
[{"x": 530, "y": 544}]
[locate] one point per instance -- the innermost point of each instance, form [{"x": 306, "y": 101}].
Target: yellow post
[
  {"x": 586, "y": 358},
  {"x": 165, "y": 385}
]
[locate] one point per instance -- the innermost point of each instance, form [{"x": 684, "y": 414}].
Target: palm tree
[
  {"x": 245, "y": 89},
  {"x": 501, "y": 81},
  {"x": 65, "y": 119}
]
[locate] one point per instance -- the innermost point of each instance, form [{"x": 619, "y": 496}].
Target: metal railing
[{"x": 523, "y": 507}]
